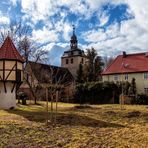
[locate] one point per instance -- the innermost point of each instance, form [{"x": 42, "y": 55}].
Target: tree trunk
[
  {"x": 51, "y": 115},
  {"x": 57, "y": 96},
  {"x": 47, "y": 117},
  {"x": 32, "y": 92}
]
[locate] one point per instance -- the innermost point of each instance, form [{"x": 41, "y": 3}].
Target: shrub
[
  {"x": 23, "y": 97},
  {"x": 97, "y": 92},
  {"x": 141, "y": 99}
]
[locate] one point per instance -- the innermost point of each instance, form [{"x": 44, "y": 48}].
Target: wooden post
[
  {"x": 47, "y": 116},
  {"x": 51, "y": 115},
  {"x": 57, "y": 96}
]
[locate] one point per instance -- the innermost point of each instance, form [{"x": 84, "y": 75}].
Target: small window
[
  {"x": 146, "y": 90},
  {"x": 116, "y": 77},
  {"x": 146, "y": 75},
  {"x": 71, "y": 60},
  {"x": 126, "y": 76},
  {"x": 66, "y": 61},
  {"x": 82, "y": 60}
]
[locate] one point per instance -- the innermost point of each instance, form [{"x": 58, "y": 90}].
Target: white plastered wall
[{"x": 7, "y": 100}]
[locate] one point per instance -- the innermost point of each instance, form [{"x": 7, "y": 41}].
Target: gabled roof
[
  {"x": 48, "y": 73},
  {"x": 128, "y": 63},
  {"x": 8, "y": 51}
]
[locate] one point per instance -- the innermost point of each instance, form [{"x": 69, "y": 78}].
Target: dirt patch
[
  {"x": 133, "y": 114},
  {"x": 144, "y": 115},
  {"x": 110, "y": 113},
  {"x": 83, "y": 107}
]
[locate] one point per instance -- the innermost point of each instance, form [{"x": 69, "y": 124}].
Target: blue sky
[{"x": 110, "y": 26}]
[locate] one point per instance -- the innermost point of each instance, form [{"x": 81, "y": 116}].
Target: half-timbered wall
[{"x": 8, "y": 70}]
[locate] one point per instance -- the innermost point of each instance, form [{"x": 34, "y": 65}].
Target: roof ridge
[
  {"x": 47, "y": 65},
  {"x": 130, "y": 54}
]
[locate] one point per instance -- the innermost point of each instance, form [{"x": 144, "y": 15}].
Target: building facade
[
  {"x": 41, "y": 76},
  {"x": 128, "y": 66},
  {"x": 73, "y": 57}
]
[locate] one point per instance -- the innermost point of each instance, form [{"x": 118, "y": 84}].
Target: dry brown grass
[{"x": 77, "y": 127}]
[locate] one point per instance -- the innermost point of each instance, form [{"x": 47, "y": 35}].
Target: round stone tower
[{"x": 11, "y": 74}]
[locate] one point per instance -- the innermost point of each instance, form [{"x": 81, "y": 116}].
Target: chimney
[{"x": 124, "y": 54}]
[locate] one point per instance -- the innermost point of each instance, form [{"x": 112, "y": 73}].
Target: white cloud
[
  {"x": 67, "y": 29},
  {"x": 94, "y": 36},
  {"x": 130, "y": 35},
  {"x": 102, "y": 35},
  {"x": 38, "y": 9},
  {"x": 4, "y": 20},
  {"x": 14, "y": 2},
  {"x": 103, "y": 18},
  {"x": 44, "y": 35},
  {"x": 139, "y": 8},
  {"x": 55, "y": 49}
]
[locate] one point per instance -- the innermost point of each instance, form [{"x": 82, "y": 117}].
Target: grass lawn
[{"x": 86, "y": 127}]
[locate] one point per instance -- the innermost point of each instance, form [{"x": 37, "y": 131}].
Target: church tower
[{"x": 74, "y": 56}]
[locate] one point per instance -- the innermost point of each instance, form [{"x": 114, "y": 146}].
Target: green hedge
[{"x": 97, "y": 92}]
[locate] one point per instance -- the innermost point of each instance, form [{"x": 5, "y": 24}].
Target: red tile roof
[
  {"x": 131, "y": 63},
  {"x": 9, "y": 51}
]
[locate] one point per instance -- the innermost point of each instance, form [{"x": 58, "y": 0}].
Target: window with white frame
[
  {"x": 116, "y": 77},
  {"x": 126, "y": 76},
  {"x": 146, "y": 75},
  {"x": 146, "y": 90}
]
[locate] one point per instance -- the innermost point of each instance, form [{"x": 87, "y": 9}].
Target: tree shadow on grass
[
  {"x": 70, "y": 119},
  {"x": 76, "y": 120}
]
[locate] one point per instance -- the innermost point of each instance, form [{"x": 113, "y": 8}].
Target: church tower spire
[
  {"x": 73, "y": 41},
  {"x": 74, "y": 56}
]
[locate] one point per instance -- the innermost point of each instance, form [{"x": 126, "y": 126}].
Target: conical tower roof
[
  {"x": 9, "y": 52},
  {"x": 73, "y": 41}
]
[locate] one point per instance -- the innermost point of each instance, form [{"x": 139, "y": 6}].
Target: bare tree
[
  {"x": 107, "y": 61},
  {"x": 58, "y": 80},
  {"x": 52, "y": 80}
]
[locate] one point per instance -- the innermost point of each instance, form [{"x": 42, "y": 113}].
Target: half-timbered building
[{"x": 11, "y": 73}]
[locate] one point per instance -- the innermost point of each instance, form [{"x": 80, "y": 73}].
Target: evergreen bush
[
  {"x": 97, "y": 92},
  {"x": 141, "y": 99}
]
